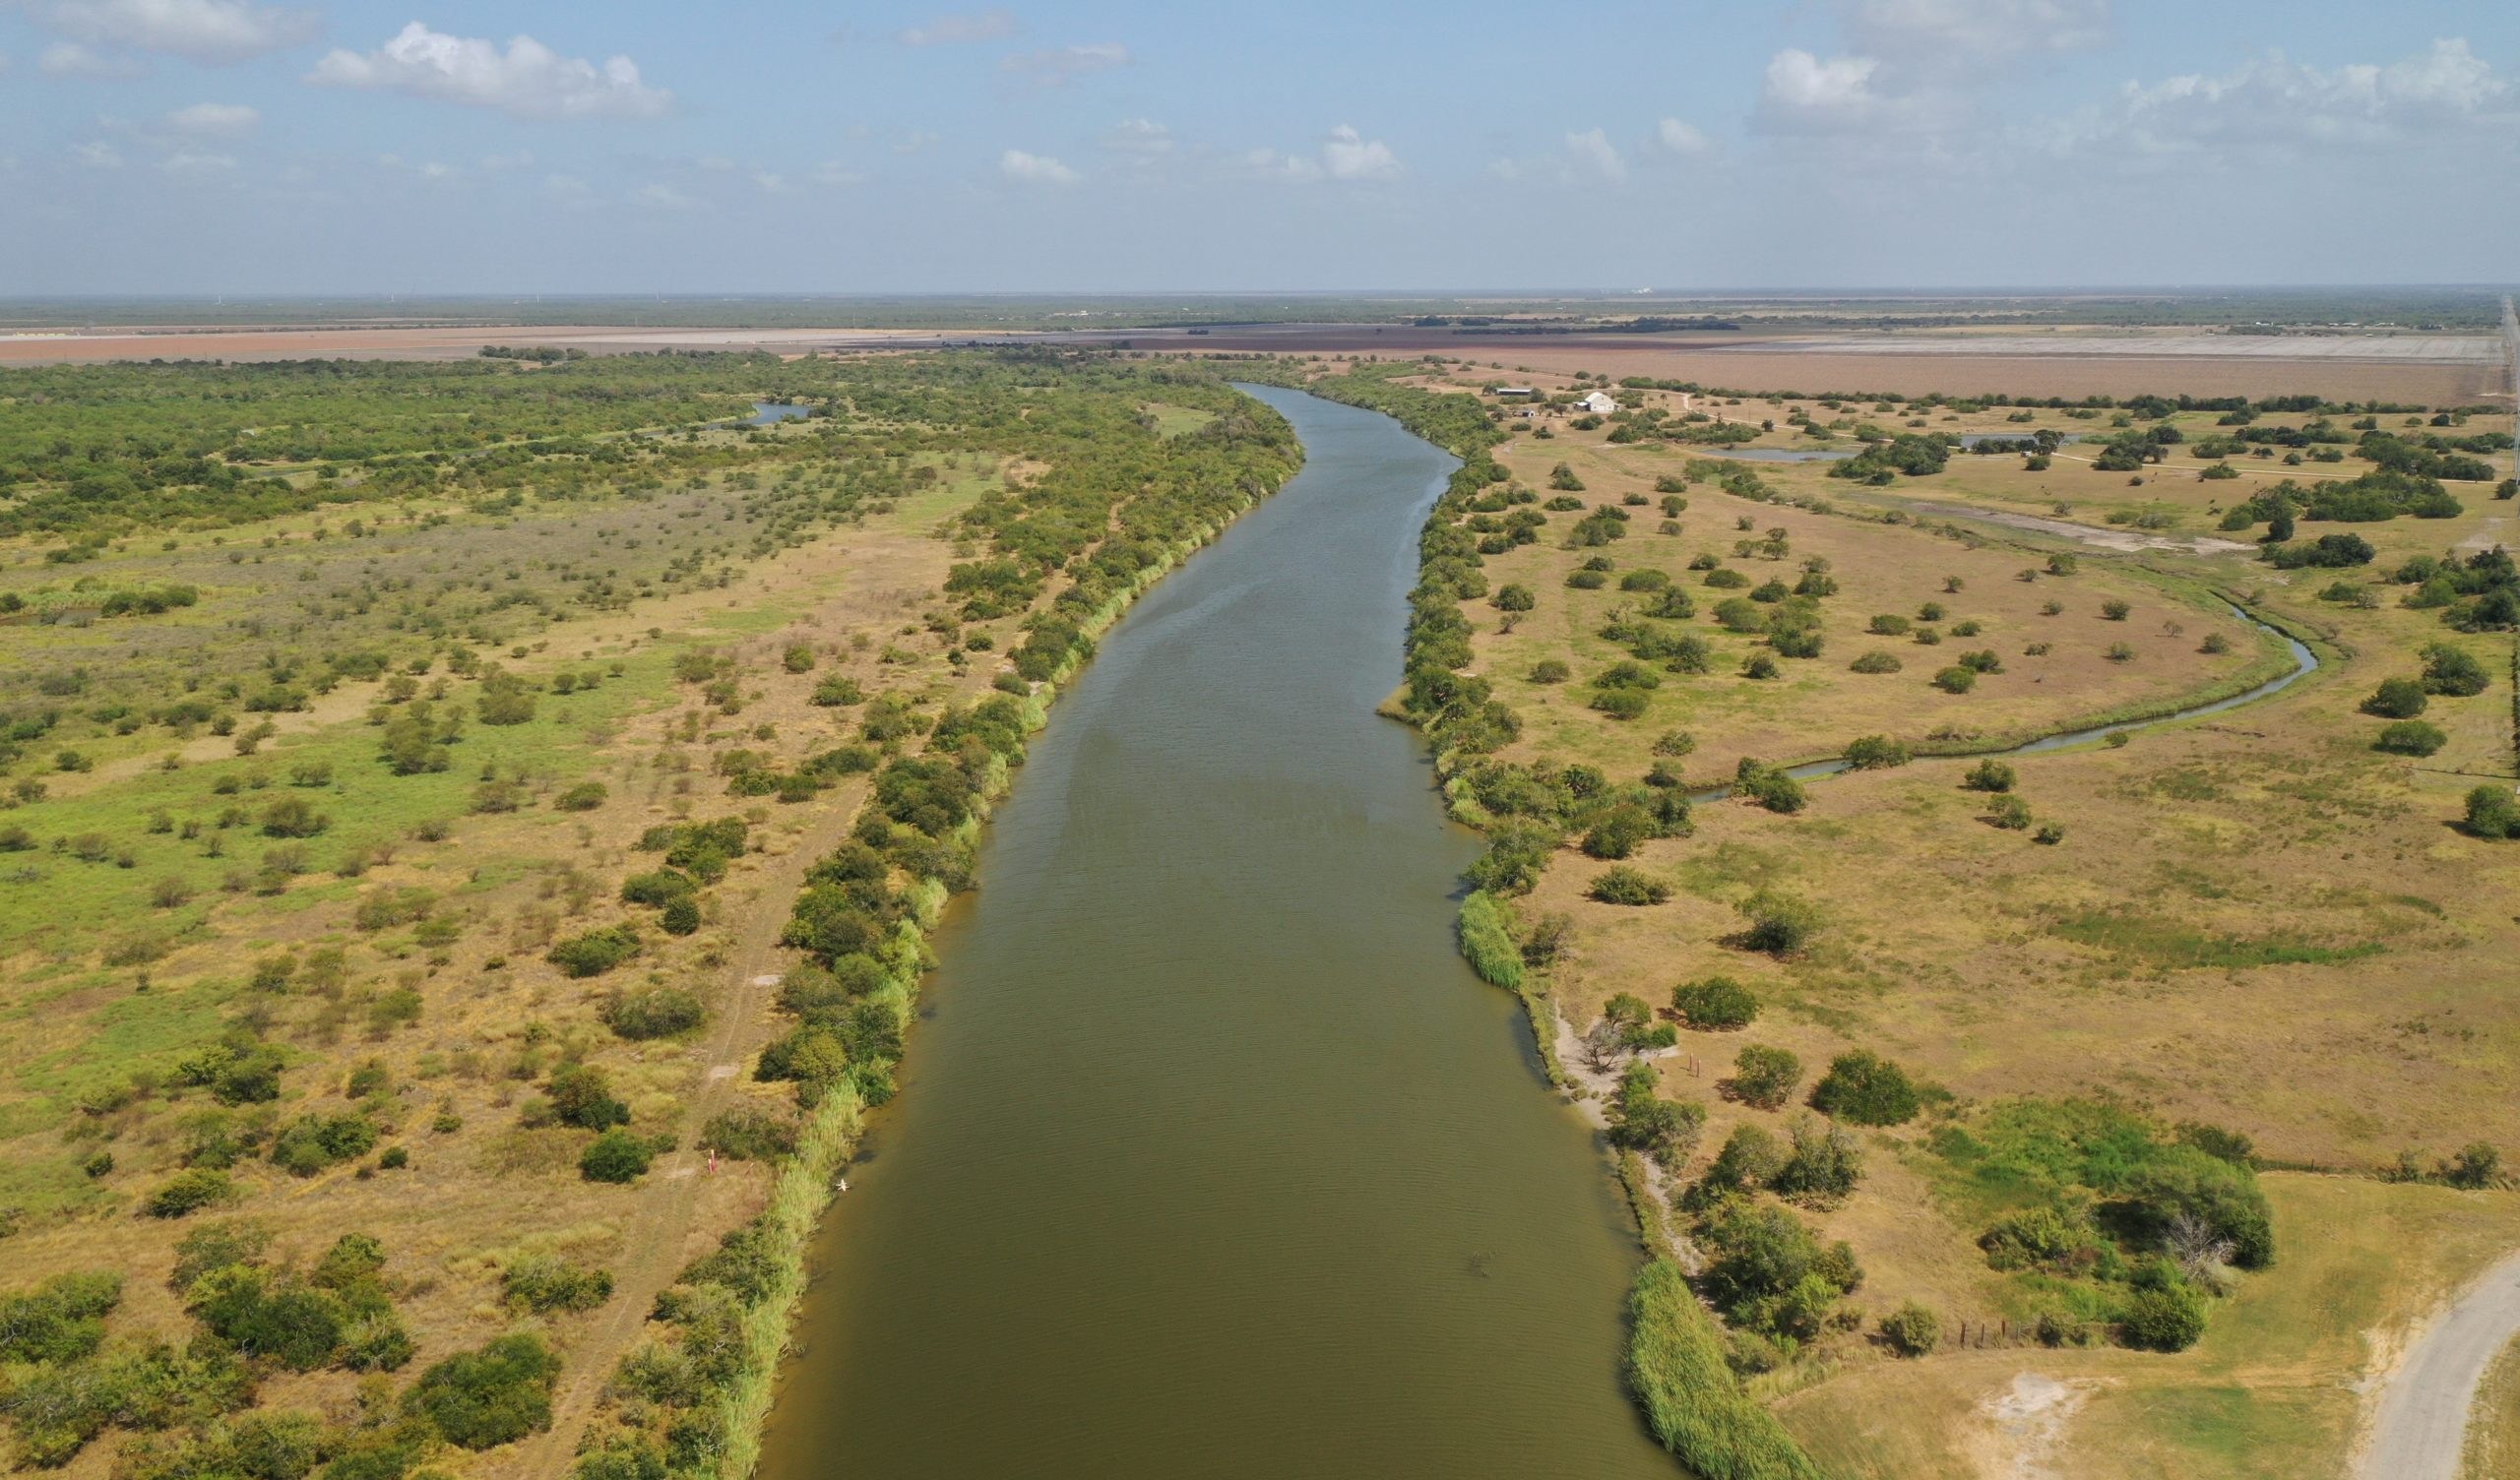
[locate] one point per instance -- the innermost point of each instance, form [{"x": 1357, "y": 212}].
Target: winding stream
[
  {"x": 2304, "y": 662},
  {"x": 1214, "y": 1159}
]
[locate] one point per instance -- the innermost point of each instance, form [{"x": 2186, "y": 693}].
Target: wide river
[{"x": 1212, "y": 1157}]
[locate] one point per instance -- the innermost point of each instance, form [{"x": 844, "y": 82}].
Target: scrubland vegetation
[
  {"x": 494, "y": 808},
  {"x": 1977, "y": 1053}
]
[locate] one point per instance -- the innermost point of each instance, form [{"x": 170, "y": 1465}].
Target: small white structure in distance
[
  {"x": 1599, "y": 403},
  {"x": 1516, "y": 392}
]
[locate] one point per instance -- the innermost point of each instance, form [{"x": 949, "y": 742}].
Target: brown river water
[{"x": 1211, "y": 1159}]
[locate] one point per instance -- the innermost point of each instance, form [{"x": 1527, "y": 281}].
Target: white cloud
[
  {"x": 916, "y": 143},
  {"x": 1137, "y": 136},
  {"x": 2272, "y": 101},
  {"x": 1591, "y": 155},
  {"x": 1805, "y": 94},
  {"x": 1345, "y": 154},
  {"x": 196, "y": 161},
  {"x": 70, "y": 59},
  {"x": 1681, "y": 139},
  {"x": 833, "y": 172},
  {"x": 992, "y": 24},
  {"x": 209, "y": 31},
  {"x": 662, "y": 197},
  {"x": 527, "y": 79},
  {"x": 96, "y": 155},
  {"x": 207, "y": 119},
  {"x": 1349, "y": 155},
  {"x": 1061, "y": 65},
  {"x": 1035, "y": 170}
]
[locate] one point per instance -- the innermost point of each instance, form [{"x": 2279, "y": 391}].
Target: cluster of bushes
[
  {"x": 2481, "y": 594},
  {"x": 2123, "y": 1221},
  {"x": 2375, "y": 497},
  {"x": 1883, "y": 461},
  {"x": 2448, "y": 670},
  {"x": 338, "y": 1314}
]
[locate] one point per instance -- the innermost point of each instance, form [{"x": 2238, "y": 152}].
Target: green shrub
[
  {"x": 189, "y": 1191},
  {"x": 652, "y": 1013},
  {"x": 1875, "y": 752},
  {"x": 1587, "y": 581},
  {"x": 596, "y": 952},
  {"x": 1550, "y": 670},
  {"x": 1822, "y": 1167},
  {"x": 278, "y": 1317},
  {"x": 1618, "y": 832},
  {"x": 1867, "y": 1089},
  {"x": 1620, "y": 703},
  {"x": 581, "y": 1095},
  {"x": 544, "y": 1282},
  {"x": 1764, "y": 1076},
  {"x": 59, "y": 1321},
  {"x": 1717, "y": 1003},
  {"x": 585, "y": 796},
  {"x": 615, "y": 1156},
  {"x": 313, "y": 1142},
  {"x": 2452, "y": 670},
  {"x": 1911, "y": 1331},
  {"x": 2409, "y": 737},
  {"x": 1513, "y": 595},
  {"x": 2397, "y": 699},
  {"x": 2494, "y": 811},
  {"x": 1771, "y": 786},
  {"x": 1875, "y": 660},
  {"x": 750, "y": 1133},
  {"x": 2166, "y": 1319},
  {"x": 1778, "y": 923},
  {"x": 496, "y": 1395},
  {"x": 1990, "y": 775},
  {"x": 1748, "y": 1157},
  {"x": 1621, "y": 885},
  {"x": 680, "y": 916},
  {"x": 1956, "y": 680},
  {"x": 217, "y": 1246}
]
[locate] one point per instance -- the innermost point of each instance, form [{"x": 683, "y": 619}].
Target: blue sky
[{"x": 435, "y": 145}]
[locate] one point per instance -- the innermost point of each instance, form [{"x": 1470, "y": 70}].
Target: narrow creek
[
  {"x": 2304, "y": 663},
  {"x": 1212, "y": 1157}
]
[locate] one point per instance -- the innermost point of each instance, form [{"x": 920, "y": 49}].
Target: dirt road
[{"x": 2422, "y": 1420}]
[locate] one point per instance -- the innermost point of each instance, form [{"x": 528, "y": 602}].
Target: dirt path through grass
[
  {"x": 2423, "y": 1419},
  {"x": 663, "y": 1221}
]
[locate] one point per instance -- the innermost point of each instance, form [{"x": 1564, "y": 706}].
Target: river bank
[{"x": 1206, "y": 1159}]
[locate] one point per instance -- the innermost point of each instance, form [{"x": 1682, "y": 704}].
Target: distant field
[{"x": 2430, "y": 368}]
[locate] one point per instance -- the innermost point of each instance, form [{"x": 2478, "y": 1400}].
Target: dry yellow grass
[{"x": 476, "y": 1195}]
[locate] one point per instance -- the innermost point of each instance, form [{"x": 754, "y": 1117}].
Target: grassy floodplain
[
  {"x": 2115, "y": 985},
  {"x": 448, "y": 934}
]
